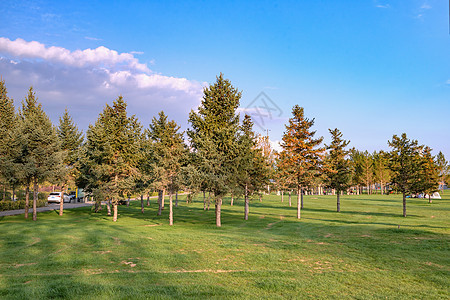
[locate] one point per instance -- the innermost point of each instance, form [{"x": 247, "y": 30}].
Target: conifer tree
[
  {"x": 443, "y": 168},
  {"x": 253, "y": 168},
  {"x": 404, "y": 163},
  {"x": 39, "y": 147},
  {"x": 168, "y": 153},
  {"x": 70, "y": 140},
  {"x": 301, "y": 156},
  {"x": 213, "y": 137},
  {"x": 110, "y": 163},
  {"x": 366, "y": 162},
  {"x": 337, "y": 166},
  {"x": 9, "y": 172},
  {"x": 381, "y": 170},
  {"x": 429, "y": 175}
]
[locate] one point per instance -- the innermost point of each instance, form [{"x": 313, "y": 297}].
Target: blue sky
[{"x": 370, "y": 68}]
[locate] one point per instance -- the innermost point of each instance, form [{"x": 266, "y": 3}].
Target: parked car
[
  {"x": 55, "y": 197},
  {"x": 73, "y": 196}
]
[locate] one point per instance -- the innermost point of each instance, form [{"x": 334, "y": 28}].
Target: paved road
[{"x": 53, "y": 206}]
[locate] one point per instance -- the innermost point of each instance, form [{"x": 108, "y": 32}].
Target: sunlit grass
[{"x": 367, "y": 251}]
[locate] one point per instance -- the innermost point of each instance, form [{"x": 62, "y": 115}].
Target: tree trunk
[
  {"x": 159, "y": 202},
  {"x": 61, "y": 203},
  {"x": 142, "y": 203},
  {"x": 128, "y": 202},
  {"x": 170, "y": 209},
  {"x": 209, "y": 199},
  {"x": 4, "y": 192},
  {"x": 115, "y": 212},
  {"x": 246, "y": 203},
  {"x": 282, "y": 194},
  {"x": 429, "y": 198},
  {"x": 338, "y": 202},
  {"x": 404, "y": 204},
  {"x": 299, "y": 195},
  {"x": 218, "y": 210},
  {"x": 301, "y": 198},
  {"x": 162, "y": 198},
  {"x": 176, "y": 199},
  {"x": 381, "y": 187},
  {"x": 13, "y": 193},
  {"x": 232, "y": 199},
  {"x": 108, "y": 206},
  {"x": 290, "y": 199},
  {"x": 27, "y": 200},
  {"x": 204, "y": 201},
  {"x": 260, "y": 197},
  {"x": 35, "y": 195},
  {"x": 148, "y": 200}
]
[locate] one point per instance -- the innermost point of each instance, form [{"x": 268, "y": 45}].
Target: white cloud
[
  {"x": 448, "y": 82},
  {"x": 77, "y": 58},
  {"x": 276, "y": 145},
  {"x": 84, "y": 80},
  {"x": 382, "y": 6},
  {"x": 94, "y": 39},
  {"x": 426, "y": 6}
]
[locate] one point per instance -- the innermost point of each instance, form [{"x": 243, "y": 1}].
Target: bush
[{"x": 12, "y": 205}]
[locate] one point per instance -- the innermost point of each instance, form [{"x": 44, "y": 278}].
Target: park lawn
[{"x": 368, "y": 250}]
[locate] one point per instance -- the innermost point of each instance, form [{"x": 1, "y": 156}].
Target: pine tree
[
  {"x": 404, "y": 164},
  {"x": 367, "y": 169},
  {"x": 168, "y": 152},
  {"x": 70, "y": 140},
  {"x": 338, "y": 171},
  {"x": 253, "y": 167},
  {"x": 9, "y": 173},
  {"x": 110, "y": 158},
  {"x": 381, "y": 170},
  {"x": 39, "y": 148},
  {"x": 301, "y": 156},
  {"x": 443, "y": 168},
  {"x": 213, "y": 137},
  {"x": 428, "y": 181}
]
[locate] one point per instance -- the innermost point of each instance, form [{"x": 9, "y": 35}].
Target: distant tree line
[{"x": 118, "y": 158}]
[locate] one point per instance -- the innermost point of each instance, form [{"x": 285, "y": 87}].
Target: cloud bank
[{"x": 84, "y": 80}]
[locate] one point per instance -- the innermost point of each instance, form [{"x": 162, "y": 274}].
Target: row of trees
[{"x": 223, "y": 155}]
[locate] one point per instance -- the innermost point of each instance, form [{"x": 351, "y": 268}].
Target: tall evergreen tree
[
  {"x": 443, "y": 168},
  {"x": 253, "y": 167},
  {"x": 404, "y": 164},
  {"x": 367, "y": 169},
  {"x": 301, "y": 156},
  {"x": 338, "y": 171},
  {"x": 9, "y": 172},
  {"x": 111, "y": 159},
  {"x": 169, "y": 152},
  {"x": 213, "y": 137},
  {"x": 40, "y": 145},
  {"x": 381, "y": 169},
  {"x": 428, "y": 182},
  {"x": 70, "y": 140}
]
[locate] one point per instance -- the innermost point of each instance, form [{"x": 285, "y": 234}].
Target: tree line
[{"x": 222, "y": 155}]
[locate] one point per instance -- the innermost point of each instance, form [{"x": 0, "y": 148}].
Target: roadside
[{"x": 53, "y": 206}]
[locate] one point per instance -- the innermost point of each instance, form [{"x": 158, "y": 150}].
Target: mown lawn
[{"x": 358, "y": 253}]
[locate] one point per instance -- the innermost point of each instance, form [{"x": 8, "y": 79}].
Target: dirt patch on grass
[
  {"x": 35, "y": 241},
  {"x": 102, "y": 252},
  {"x": 116, "y": 240},
  {"x": 328, "y": 235},
  {"x": 22, "y": 265},
  {"x": 271, "y": 224},
  {"x": 129, "y": 263},
  {"x": 204, "y": 271},
  {"x": 151, "y": 225}
]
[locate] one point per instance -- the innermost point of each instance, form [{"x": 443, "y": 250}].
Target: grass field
[{"x": 358, "y": 253}]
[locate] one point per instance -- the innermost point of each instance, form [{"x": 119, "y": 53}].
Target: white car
[{"x": 55, "y": 197}]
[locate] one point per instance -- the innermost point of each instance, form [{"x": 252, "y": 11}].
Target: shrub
[{"x": 12, "y": 205}]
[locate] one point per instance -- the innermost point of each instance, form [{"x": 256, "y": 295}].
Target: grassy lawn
[{"x": 358, "y": 253}]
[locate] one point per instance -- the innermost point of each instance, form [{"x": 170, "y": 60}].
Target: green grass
[{"x": 358, "y": 253}]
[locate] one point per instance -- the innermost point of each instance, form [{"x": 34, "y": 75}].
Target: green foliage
[
  {"x": 338, "y": 170},
  {"x": 301, "y": 156},
  {"x": 20, "y": 204},
  {"x": 109, "y": 164},
  {"x": 213, "y": 138},
  {"x": 443, "y": 168}
]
